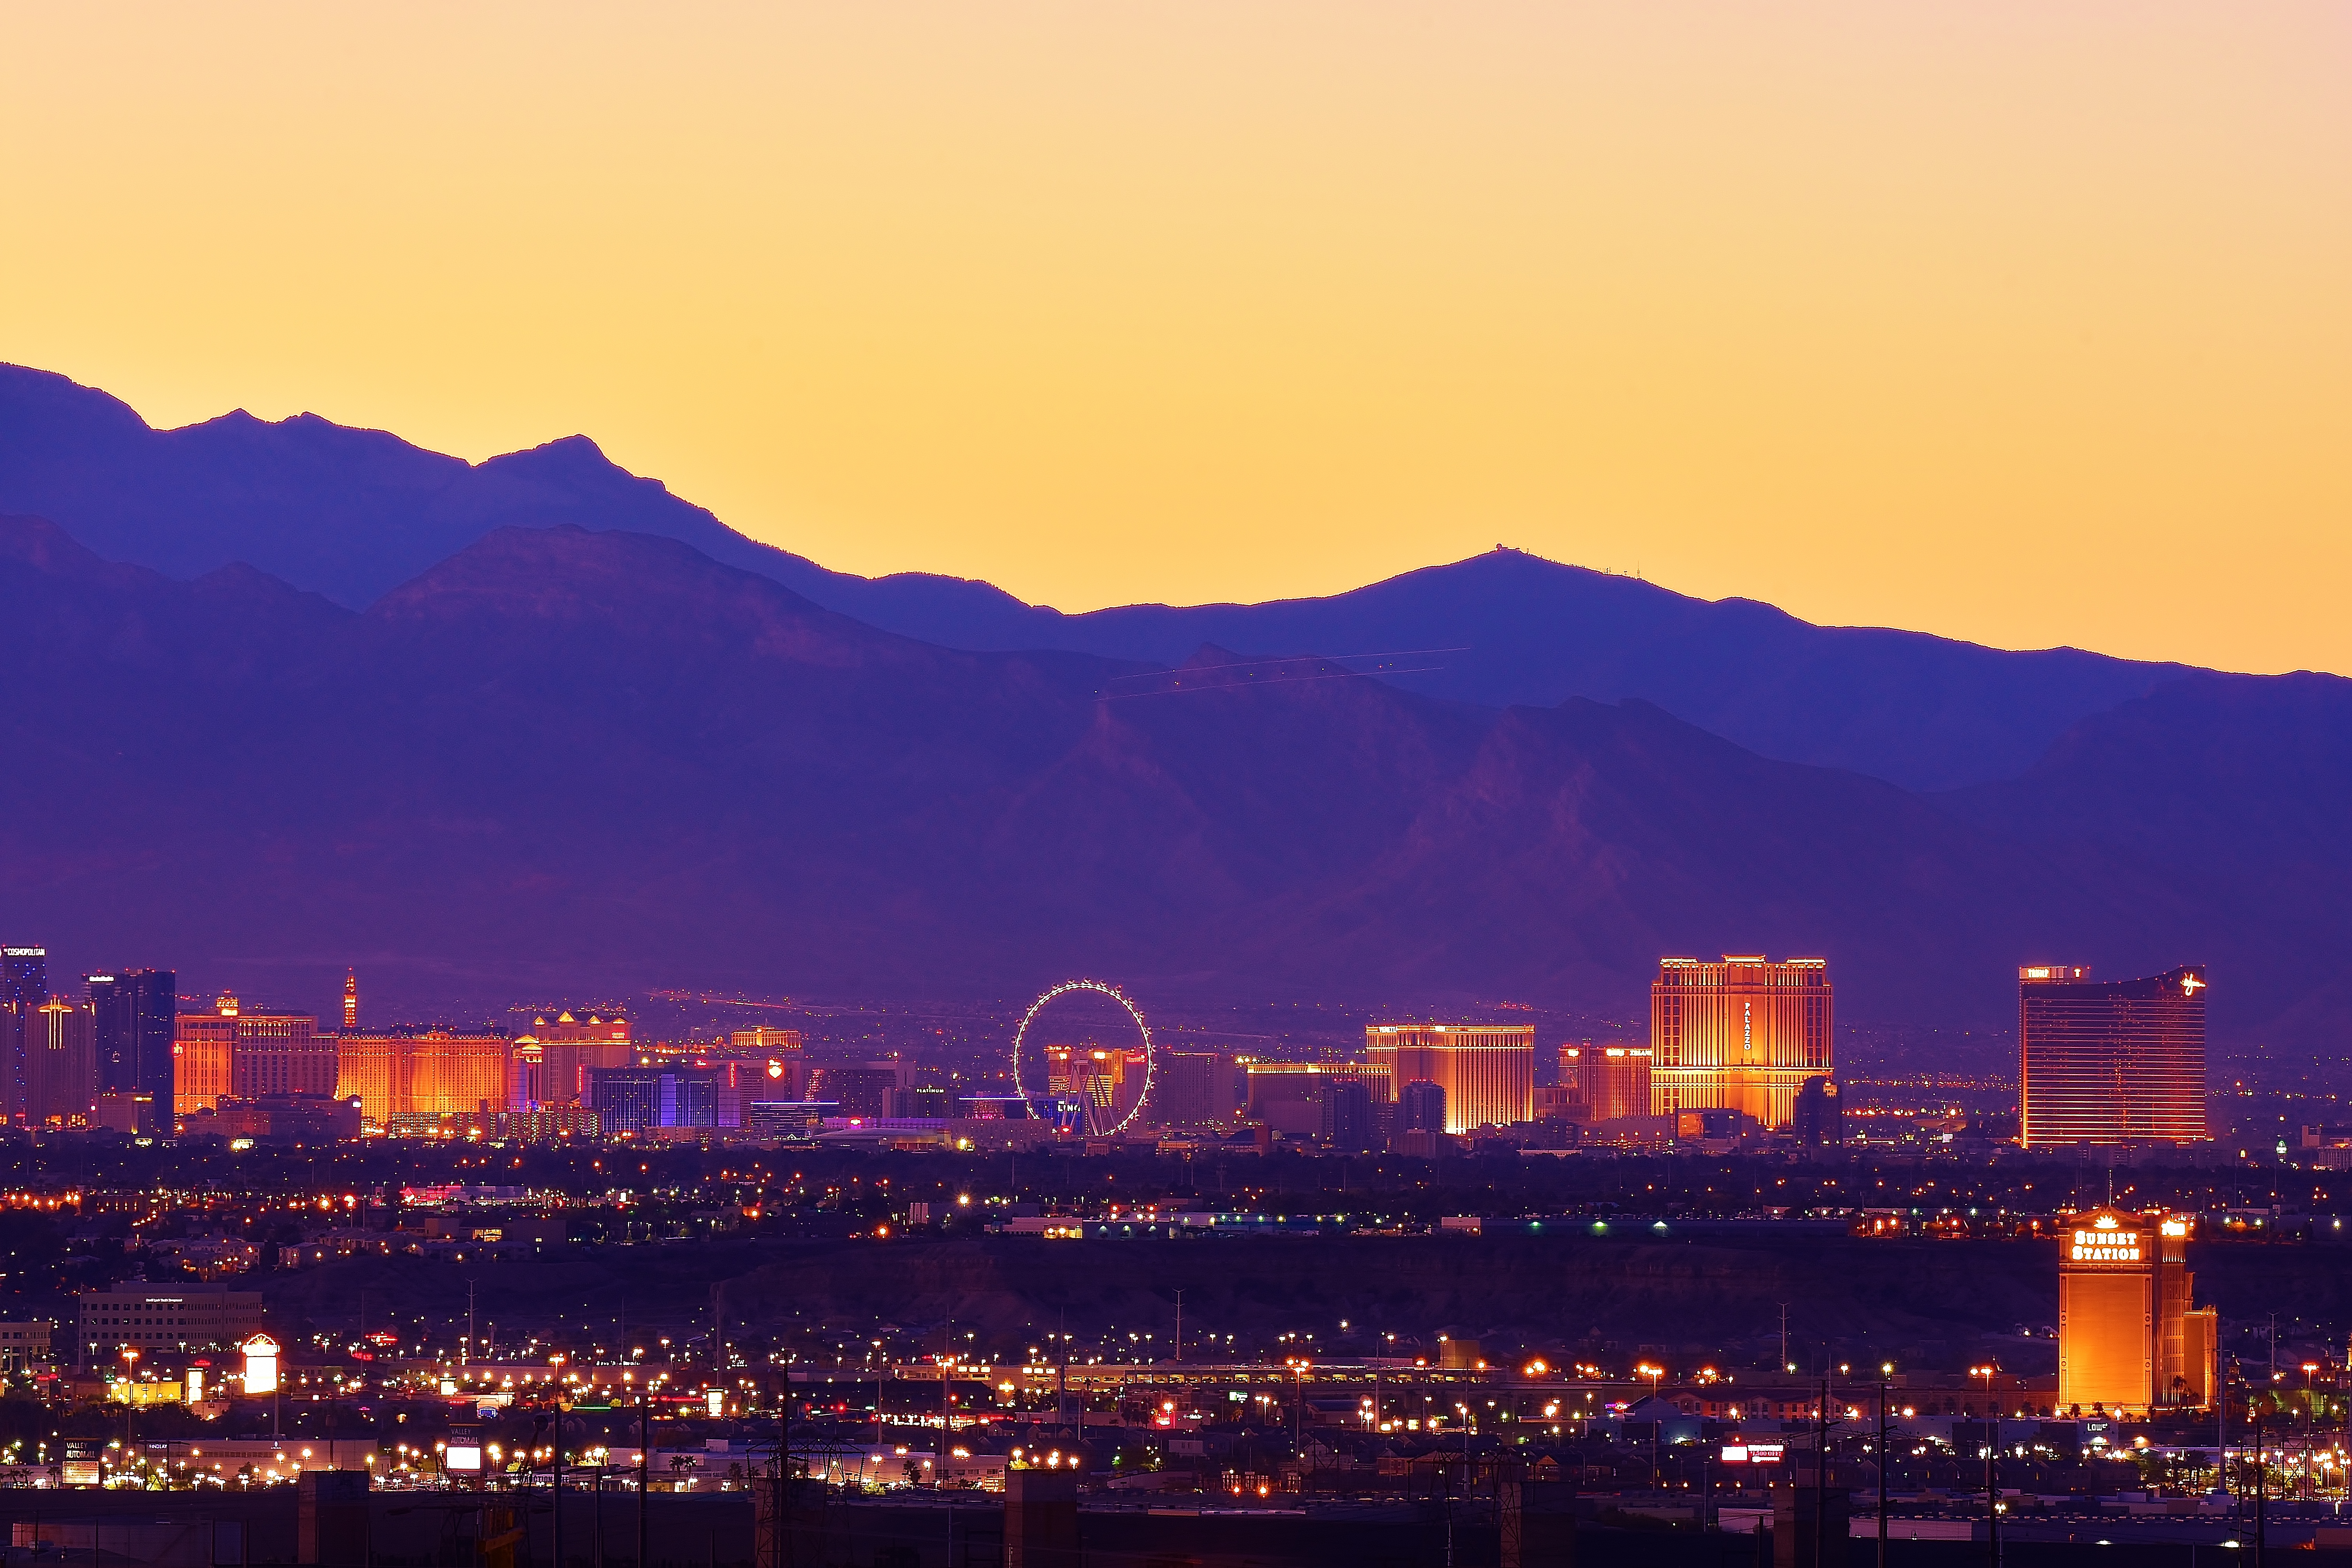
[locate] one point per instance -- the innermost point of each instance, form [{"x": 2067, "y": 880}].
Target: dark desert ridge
[{"x": 287, "y": 698}]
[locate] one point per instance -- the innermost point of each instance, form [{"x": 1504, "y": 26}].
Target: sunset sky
[{"x": 2029, "y": 324}]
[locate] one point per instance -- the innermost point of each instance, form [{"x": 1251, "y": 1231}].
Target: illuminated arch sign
[{"x": 261, "y": 1365}]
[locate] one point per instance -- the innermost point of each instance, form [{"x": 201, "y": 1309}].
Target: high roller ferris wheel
[{"x": 1143, "y": 1029}]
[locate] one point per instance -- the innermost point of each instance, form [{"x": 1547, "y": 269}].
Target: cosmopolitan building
[
  {"x": 2128, "y": 1339},
  {"x": 2120, "y": 1062},
  {"x": 1743, "y": 1034},
  {"x": 1488, "y": 1071}
]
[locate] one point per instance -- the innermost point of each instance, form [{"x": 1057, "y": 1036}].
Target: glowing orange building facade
[
  {"x": 60, "y": 1065},
  {"x": 553, "y": 1061},
  {"x": 2116, "y": 1062},
  {"x": 2128, "y": 1339},
  {"x": 231, "y": 1053},
  {"x": 1609, "y": 1081},
  {"x": 1488, "y": 1071},
  {"x": 1107, "y": 1079},
  {"x": 1743, "y": 1034},
  {"x": 425, "y": 1072}
]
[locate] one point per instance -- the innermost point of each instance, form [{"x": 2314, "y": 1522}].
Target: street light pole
[
  {"x": 1821, "y": 1478},
  {"x": 1992, "y": 1482},
  {"x": 1883, "y": 1389},
  {"x": 2262, "y": 1487}
]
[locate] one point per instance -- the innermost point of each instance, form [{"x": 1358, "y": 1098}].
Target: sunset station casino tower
[
  {"x": 1743, "y": 1034},
  {"x": 2128, "y": 1338}
]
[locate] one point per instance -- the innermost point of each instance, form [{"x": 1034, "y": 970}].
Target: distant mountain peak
[{"x": 354, "y": 514}]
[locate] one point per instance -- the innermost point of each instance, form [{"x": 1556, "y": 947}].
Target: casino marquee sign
[{"x": 2107, "y": 1241}]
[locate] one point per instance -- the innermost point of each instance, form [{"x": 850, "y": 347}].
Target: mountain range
[
  {"x": 288, "y": 696},
  {"x": 352, "y": 514}
]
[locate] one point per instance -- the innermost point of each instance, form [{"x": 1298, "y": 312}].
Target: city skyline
[
  {"x": 1311, "y": 783},
  {"x": 1713, "y": 1067}
]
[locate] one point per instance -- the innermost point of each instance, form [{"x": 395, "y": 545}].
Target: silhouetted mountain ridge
[
  {"x": 352, "y": 514},
  {"x": 601, "y": 761}
]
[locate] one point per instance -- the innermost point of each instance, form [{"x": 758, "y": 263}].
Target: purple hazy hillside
[
  {"x": 351, "y": 514},
  {"x": 596, "y": 762}
]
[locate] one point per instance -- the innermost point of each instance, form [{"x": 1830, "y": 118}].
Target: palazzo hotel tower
[{"x": 1743, "y": 1034}]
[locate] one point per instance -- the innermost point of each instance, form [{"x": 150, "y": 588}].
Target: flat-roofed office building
[
  {"x": 2116, "y": 1062},
  {"x": 1743, "y": 1034},
  {"x": 1488, "y": 1071},
  {"x": 153, "y": 1318}
]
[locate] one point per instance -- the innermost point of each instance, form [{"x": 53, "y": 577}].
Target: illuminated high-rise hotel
[
  {"x": 1610, "y": 1082},
  {"x": 1487, "y": 1071},
  {"x": 2120, "y": 1062},
  {"x": 1106, "y": 1082},
  {"x": 1743, "y": 1034},
  {"x": 235, "y": 1054},
  {"x": 2128, "y": 1338},
  {"x": 425, "y": 1072}
]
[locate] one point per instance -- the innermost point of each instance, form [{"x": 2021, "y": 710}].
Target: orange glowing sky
[{"x": 2018, "y": 322}]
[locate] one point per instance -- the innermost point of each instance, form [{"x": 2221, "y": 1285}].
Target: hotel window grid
[
  {"x": 1743, "y": 1034},
  {"x": 2113, "y": 1062}
]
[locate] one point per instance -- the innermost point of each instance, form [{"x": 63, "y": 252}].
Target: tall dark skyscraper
[
  {"x": 25, "y": 975},
  {"x": 2118, "y": 1062},
  {"x": 1421, "y": 1107},
  {"x": 133, "y": 1009},
  {"x": 24, "y": 986}
]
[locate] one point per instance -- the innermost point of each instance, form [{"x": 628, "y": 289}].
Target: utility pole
[
  {"x": 556, "y": 1463},
  {"x": 1179, "y": 1325},
  {"x": 1992, "y": 1483},
  {"x": 2220, "y": 1392},
  {"x": 2261, "y": 1488},
  {"x": 1883, "y": 1392},
  {"x": 646, "y": 1457},
  {"x": 466, "y": 1356},
  {"x": 1784, "y": 1339},
  {"x": 781, "y": 1551},
  {"x": 1821, "y": 1475}
]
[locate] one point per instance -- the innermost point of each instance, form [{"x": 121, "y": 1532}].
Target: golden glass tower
[
  {"x": 1743, "y": 1034},
  {"x": 1488, "y": 1071},
  {"x": 2121, "y": 1061}
]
